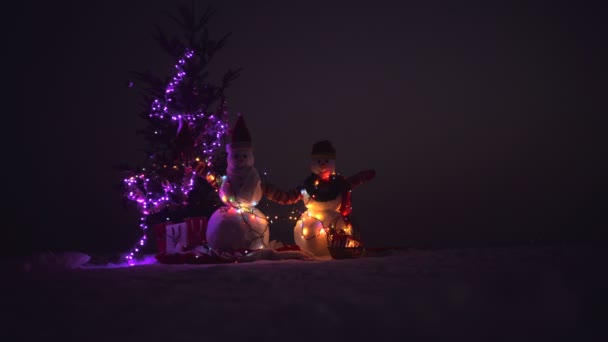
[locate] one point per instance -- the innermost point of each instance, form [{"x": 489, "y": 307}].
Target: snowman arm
[
  {"x": 360, "y": 178},
  {"x": 273, "y": 193},
  {"x": 214, "y": 180},
  {"x": 211, "y": 177}
]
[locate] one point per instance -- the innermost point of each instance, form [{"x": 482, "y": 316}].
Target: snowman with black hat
[{"x": 327, "y": 197}]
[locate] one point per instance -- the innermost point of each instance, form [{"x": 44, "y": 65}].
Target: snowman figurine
[
  {"x": 327, "y": 197},
  {"x": 239, "y": 225}
]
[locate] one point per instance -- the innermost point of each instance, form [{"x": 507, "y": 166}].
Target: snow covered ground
[{"x": 548, "y": 293}]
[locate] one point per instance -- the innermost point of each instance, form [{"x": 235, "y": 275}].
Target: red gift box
[
  {"x": 177, "y": 237},
  {"x": 160, "y": 231},
  {"x": 171, "y": 237},
  {"x": 197, "y": 229}
]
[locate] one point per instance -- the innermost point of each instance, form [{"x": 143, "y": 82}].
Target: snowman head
[
  {"x": 239, "y": 158},
  {"x": 323, "y": 159},
  {"x": 240, "y": 150}
]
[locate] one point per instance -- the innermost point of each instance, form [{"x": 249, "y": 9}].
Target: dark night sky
[{"x": 484, "y": 123}]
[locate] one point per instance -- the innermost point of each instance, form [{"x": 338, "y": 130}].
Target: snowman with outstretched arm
[
  {"x": 327, "y": 197},
  {"x": 239, "y": 225}
]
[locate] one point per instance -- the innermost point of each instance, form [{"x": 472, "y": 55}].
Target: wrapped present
[
  {"x": 160, "y": 232},
  {"x": 197, "y": 228},
  {"x": 176, "y": 238}
]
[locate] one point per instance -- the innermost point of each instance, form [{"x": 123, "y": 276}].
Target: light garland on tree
[
  {"x": 143, "y": 188},
  {"x": 214, "y": 127}
]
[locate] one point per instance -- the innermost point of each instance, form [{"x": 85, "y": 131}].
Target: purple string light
[{"x": 207, "y": 143}]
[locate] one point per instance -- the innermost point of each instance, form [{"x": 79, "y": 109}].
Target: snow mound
[
  {"x": 54, "y": 261},
  {"x": 273, "y": 254}
]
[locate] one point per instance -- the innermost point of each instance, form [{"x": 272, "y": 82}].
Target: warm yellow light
[
  {"x": 348, "y": 230},
  {"x": 224, "y": 198},
  {"x": 319, "y": 217},
  {"x": 316, "y": 182},
  {"x": 352, "y": 243},
  {"x": 304, "y": 231}
]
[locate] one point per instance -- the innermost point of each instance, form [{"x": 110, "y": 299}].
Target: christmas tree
[{"x": 186, "y": 124}]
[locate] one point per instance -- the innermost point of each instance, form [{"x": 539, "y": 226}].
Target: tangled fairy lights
[{"x": 148, "y": 188}]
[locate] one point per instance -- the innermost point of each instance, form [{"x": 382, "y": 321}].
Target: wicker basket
[{"x": 346, "y": 252}]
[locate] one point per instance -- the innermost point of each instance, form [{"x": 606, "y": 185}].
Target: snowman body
[
  {"x": 320, "y": 219},
  {"x": 231, "y": 228},
  {"x": 239, "y": 225},
  {"x": 327, "y": 197},
  {"x": 322, "y": 196}
]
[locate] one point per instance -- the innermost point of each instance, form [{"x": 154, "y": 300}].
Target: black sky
[{"x": 485, "y": 123}]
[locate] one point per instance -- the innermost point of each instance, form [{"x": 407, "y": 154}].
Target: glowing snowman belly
[
  {"x": 230, "y": 228},
  {"x": 310, "y": 232}
]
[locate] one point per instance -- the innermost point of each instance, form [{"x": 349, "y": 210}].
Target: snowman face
[
  {"x": 240, "y": 158},
  {"x": 322, "y": 166}
]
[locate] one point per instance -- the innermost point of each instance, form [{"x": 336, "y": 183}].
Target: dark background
[{"x": 485, "y": 122}]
